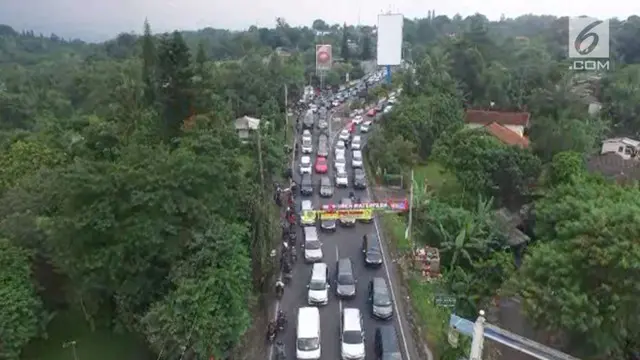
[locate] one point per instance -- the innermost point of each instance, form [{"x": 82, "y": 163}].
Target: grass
[
  {"x": 100, "y": 344},
  {"x": 436, "y": 176}
]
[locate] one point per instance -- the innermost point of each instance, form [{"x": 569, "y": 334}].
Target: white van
[
  {"x": 319, "y": 285},
  {"x": 352, "y": 335},
  {"x": 356, "y": 143},
  {"x": 308, "y": 334},
  {"x": 312, "y": 245}
]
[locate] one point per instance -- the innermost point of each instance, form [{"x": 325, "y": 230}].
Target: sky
[{"x": 100, "y": 20}]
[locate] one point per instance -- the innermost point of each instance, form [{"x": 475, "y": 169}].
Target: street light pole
[
  {"x": 71, "y": 343},
  {"x": 477, "y": 341}
]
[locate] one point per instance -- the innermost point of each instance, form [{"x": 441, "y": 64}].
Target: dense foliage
[{"x": 578, "y": 275}]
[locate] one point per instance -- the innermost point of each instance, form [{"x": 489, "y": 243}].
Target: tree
[
  {"x": 344, "y": 48},
  {"x": 149, "y": 60},
  {"x": 367, "y": 52},
  {"x": 483, "y": 164},
  {"x": 582, "y": 264},
  {"x": 175, "y": 75},
  {"x": 422, "y": 120},
  {"x": 21, "y": 311}
]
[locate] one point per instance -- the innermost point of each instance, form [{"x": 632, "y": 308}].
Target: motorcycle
[
  {"x": 292, "y": 238},
  {"x": 281, "y": 353},
  {"x": 271, "y": 331},
  {"x": 281, "y": 320},
  {"x": 279, "y": 289}
]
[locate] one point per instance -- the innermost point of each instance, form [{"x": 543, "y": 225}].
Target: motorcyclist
[
  {"x": 271, "y": 330},
  {"x": 352, "y": 196},
  {"x": 281, "y": 320},
  {"x": 279, "y": 287}
]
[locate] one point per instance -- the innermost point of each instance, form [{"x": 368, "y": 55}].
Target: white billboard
[{"x": 390, "y": 39}]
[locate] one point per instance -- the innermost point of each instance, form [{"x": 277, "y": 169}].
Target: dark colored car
[
  {"x": 371, "y": 250},
  {"x": 359, "y": 179},
  {"x": 380, "y": 298},
  {"x": 345, "y": 278},
  {"x": 328, "y": 225},
  {"x": 386, "y": 343},
  {"x": 306, "y": 185},
  {"x": 308, "y": 121}
]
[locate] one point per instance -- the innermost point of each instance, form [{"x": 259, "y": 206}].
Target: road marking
[{"x": 339, "y": 299}]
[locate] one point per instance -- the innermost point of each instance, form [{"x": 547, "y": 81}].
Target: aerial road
[{"x": 345, "y": 242}]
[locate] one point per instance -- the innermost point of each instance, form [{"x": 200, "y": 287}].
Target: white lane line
[
  {"x": 386, "y": 261},
  {"x": 339, "y": 299}
]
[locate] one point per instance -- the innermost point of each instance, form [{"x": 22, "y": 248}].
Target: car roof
[
  {"x": 310, "y": 316},
  {"x": 305, "y": 159},
  {"x": 325, "y": 180},
  {"x": 357, "y": 137},
  {"x": 357, "y": 152},
  {"x": 306, "y": 204},
  {"x": 319, "y": 270},
  {"x": 379, "y": 282},
  {"x": 389, "y": 338},
  {"x": 351, "y": 319}
]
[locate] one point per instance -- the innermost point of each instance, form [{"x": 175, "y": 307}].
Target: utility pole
[
  {"x": 477, "y": 341},
  {"x": 408, "y": 233},
  {"x": 260, "y": 157},
  {"x": 71, "y": 344},
  {"x": 286, "y": 108}
]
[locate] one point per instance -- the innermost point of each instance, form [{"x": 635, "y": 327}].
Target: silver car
[{"x": 326, "y": 188}]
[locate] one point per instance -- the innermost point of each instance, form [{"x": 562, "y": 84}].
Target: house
[
  {"x": 624, "y": 147},
  {"x": 506, "y": 135},
  {"x": 514, "y": 121},
  {"x": 245, "y": 126}
]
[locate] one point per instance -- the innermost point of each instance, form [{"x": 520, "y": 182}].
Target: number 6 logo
[
  {"x": 585, "y": 34},
  {"x": 588, "y": 38}
]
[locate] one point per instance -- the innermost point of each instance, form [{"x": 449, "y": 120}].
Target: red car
[
  {"x": 352, "y": 127},
  {"x": 371, "y": 112},
  {"x": 321, "y": 165}
]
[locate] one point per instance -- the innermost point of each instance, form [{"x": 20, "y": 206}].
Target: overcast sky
[{"x": 95, "y": 19}]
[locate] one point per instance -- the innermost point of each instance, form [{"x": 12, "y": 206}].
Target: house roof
[
  {"x": 507, "y": 222},
  {"x": 507, "y": 136},
  {"x": 503, "y": 118},
  {"x": 623, "y": 140},
  {"x": 247, "y": 123}
]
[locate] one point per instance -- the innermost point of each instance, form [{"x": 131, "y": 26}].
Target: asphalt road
[{"x": 345, "y": 242}]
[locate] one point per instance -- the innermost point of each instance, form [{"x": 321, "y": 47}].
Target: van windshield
[
  {"x": 312, "y": 245},
  {"x": 308, "y": 344},
  {"x": 317, "y": 284}
]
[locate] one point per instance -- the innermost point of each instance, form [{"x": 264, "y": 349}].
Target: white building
[
  {"x": 623, "y": 147},
  {"x": 245, "y": 126}
]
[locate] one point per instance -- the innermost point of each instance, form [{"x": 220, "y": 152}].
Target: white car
[
  {"x": 360, "y": 111},
  {"x": 356, "y": 143},
  {"x": 339, "y": 160},
  {"x": 342, "y": 179},
  {"x": 335, "y": 103},
  {"x": 344, "y": 135},
  {"x": 319, "y": 285},
  {"x": 351, "y": 334},
  {"x": 356, "y": 159},
  {"x": 357, "y": 119},
  {"x": 305, "y": 165},
  {"x": 307, "y": 145},
  {"x": 364, "y": 128},
  {"x": 387, "y": 109}
]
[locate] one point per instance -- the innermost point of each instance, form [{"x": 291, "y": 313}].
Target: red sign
[{"x": 324, "y": 57}]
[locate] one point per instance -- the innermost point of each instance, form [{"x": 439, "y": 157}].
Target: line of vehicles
[{"x": 347, "y": 154}]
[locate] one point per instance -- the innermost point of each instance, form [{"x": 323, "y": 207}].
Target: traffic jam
[{"x": 327, "y": 198}]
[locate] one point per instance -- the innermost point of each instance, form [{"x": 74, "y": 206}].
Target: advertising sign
[
  {"x": 389, "y": 205},
  {"x": 324, "y": 57},
  {"x": 389, "y": 48}
]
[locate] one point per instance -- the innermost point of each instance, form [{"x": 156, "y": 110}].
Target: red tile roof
[
  {"x": 507, "y": 136},
  {"x": 503, "y": 118}
]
